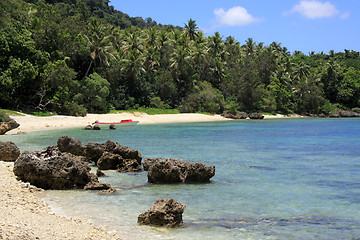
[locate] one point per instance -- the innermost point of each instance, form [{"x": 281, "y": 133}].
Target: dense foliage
[{"x": 78, "y": 56}]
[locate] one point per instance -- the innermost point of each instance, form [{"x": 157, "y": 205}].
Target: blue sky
[{"x": 304, "y": 25}]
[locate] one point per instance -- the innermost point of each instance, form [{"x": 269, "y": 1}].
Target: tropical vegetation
[{"x": 79, "y": 56}]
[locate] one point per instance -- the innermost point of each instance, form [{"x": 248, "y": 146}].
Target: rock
[
  {"x": 163, "y": 213},
  {"x": 162, "y": 170},
  {"x": 112, "y": 127},
  {"x": 334, "y": 115},
  {"x": 51, "y": 169},
  {"x": 70, "y": 145},
  {"x": 97, "y": 186},
  {"x": 147, "y": 162},
  {"x": 130, "y": 165},
  {"x": 100, "y": 173},
  {"x": 88, "y": 127},
  {"x": 109, "y": 161},
  {"x": 93, "y": 151},
  {"x": 256, "y": 116},
  {"x": 9, "y": 151},
  {"x": 238, "y": 115},
  {"x": 344, "y": 113},
  {"x": 96, "y": 127},
  {"x": 7, "y": 126}
]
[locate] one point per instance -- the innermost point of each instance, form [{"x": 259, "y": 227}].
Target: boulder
[
  {"x": 111, "y": 155},
  {"x": 109, "y": 161},
  {"x": 238, "y": 115},
  {"x": 88, "y": 127},
  {"x": 112, "y": 127},
  {"x": 100, "y": 173},
  {"x": 50, "y": 169},
  {"x": 163, "y": 213},
  {"x": 344, "y": 113},
  {"x": 256, "y": 116},
  {"x": 70, "y": 145},
  {"x": 163, "y": 170},
  {"x": 7, "y": 126},
  {"x": 9, "y": 151},
  {"x": 96, "y": 127},
  {"x": 97, "y": 186}
]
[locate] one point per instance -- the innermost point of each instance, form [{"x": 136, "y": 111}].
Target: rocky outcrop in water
[
  {"x": 108, "y": 155},
  {"x": 7, "y": 126},
  {"x": 8, "y": 151},
  {"x": 163, "y": 213},
  {"x": 51, "y": 169},
  {"x": 70, "y": 145},
  {"x": 161, "y": 170}
]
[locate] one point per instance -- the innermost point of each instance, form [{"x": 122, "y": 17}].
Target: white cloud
[
  {"x": 236, "y": 16},
  {"x": 315, "y": 9}
]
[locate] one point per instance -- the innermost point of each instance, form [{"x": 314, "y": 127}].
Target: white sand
[{"x": 31, "y": 123}]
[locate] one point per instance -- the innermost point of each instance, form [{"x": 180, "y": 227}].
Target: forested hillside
[{"x": 78, "y": 56}]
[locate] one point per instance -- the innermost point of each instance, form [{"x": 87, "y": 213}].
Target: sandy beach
[{"x": 32, "y": 123}]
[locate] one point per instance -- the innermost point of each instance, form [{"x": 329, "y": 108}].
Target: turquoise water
[{"x": 275, "y": 179}]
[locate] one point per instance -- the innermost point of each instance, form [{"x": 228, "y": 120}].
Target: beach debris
[
  {"x": 9, "y": 151},
  {"x": 7, "y": 126},
  {"x": 112, "y": 127},
  {"x": 166, "y": 213},
  {"x": 51, "y": 169},
  {"x": 162, "y": 170}
]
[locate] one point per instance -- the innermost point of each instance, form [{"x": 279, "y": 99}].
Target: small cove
[{"x": 275, "y": 179}]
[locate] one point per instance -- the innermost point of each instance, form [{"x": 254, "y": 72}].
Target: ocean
[{"x": 275, "y": 179}]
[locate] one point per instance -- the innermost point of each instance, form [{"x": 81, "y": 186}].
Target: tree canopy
[{"x": 78, "y": 56}]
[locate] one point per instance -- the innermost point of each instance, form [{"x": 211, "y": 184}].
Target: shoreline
[
  {"x": 30, "y": 123},
  {"x": 24, "y": 216}
]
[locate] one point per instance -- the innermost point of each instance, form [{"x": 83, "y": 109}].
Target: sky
[{"x": 302, "y": 25}]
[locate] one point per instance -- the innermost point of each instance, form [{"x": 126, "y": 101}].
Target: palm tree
[
  {"x": 100, "y": 45},
  {"x": 191, "y": 29}
]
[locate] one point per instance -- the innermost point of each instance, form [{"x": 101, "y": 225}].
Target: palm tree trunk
[{"x": 87, "y": 72}]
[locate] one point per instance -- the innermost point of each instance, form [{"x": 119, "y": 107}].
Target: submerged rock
[
  {"x": 161, "y": 170},
  {"x": 163, "y": 213},
  {"x": 50, "y": 169},
  {"x": 8, "y": 151}
]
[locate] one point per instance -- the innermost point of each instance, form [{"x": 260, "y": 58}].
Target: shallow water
[{"x": 275, "y": 179}]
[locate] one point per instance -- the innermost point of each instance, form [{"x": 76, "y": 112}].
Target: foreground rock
[
  {"x": 163, "y": 213},
  {"x": 161, "y": 170},
  {"x": 51, "y": 169},
  {"x": 7, "y": 126},
  {"x": 8, "y": 151},
  {"x": 108, "y": 155}
]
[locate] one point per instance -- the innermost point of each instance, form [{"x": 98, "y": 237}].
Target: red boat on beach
[{"x": 126, "y": 122}]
